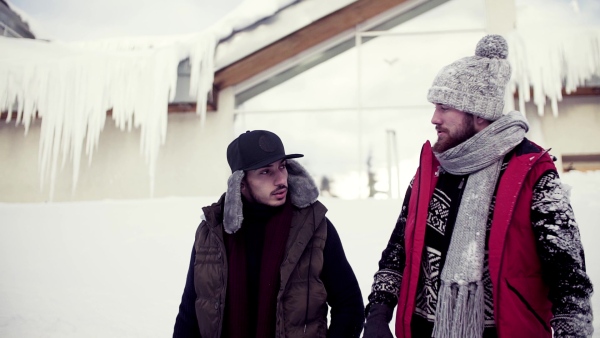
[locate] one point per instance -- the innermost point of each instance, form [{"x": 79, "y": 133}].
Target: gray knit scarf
[{"x": 460, "y": 305}]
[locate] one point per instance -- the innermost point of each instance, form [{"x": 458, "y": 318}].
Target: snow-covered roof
[
  {"x": 272, "y": 28},
  {"x": 16, "y": 21}
]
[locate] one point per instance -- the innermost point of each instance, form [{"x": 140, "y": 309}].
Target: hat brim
[{"x": 270, "y": 160}]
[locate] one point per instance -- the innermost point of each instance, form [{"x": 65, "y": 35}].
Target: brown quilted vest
[{"x": 299, "y": 273}]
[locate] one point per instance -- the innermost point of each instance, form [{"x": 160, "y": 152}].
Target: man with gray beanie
[
  {"x": 266, "y": 261},
  {"x": 486, "y": 244}
]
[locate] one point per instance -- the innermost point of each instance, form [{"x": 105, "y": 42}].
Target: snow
[
  {"x": 117, "y": 268},
  {"x": 550, "y": 59}
]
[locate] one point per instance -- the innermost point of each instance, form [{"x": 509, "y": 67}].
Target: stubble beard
[{"x": 463, "y": 133}]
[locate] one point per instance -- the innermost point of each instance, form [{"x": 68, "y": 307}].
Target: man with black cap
[{"x": 266, "y": 262}]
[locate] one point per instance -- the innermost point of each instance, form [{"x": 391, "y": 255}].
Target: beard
[{"x": 465, "y": 130}]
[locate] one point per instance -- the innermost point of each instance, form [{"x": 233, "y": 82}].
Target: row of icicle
[{"x": 70, "y": 86}]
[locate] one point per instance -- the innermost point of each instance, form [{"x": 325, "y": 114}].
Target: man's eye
[{"x": 264, "y": 172}]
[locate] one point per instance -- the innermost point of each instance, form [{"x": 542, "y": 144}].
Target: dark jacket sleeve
[
  {"x": 561, "y": 255},
  {"x": 343, "y": 292},
  {"x": 186, "y": 324},
  {"x": 387, "y": 280}
]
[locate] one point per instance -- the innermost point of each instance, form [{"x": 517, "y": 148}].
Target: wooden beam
[
  {"x": 581, "y": 162},
  {"x": 583, "y": 91},
  {"x": 189, "y": 107},
  {"x": 303, "y": 39},
  {"x": 172, "y": 109},
  {"x": 581, "y": 158}
]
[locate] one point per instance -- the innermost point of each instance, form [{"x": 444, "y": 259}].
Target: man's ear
[
  {"x": 243, "y": 185},
  {"x": 245, "y": 189},
  {"x": 481, "y": 123}
]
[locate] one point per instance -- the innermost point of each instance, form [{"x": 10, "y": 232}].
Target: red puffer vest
[{"x": 521, "y": 305}]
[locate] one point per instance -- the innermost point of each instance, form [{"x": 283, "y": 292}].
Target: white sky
[{"x": 84, "y": 20}]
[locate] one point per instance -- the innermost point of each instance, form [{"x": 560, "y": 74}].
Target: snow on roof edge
[
  {"x": 33, "y": 25},
  {"x": 293, "y": 18}
]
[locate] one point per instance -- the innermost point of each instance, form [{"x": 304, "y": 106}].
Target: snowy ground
[{"x": 117, "y": 268}]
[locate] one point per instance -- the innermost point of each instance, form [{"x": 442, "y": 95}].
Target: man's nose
[
  {"x": 435, "y": 119},
  {"x": 281, "y": 177}
]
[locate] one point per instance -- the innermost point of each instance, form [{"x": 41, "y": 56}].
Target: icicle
[
  {"x": 201, "y": 78},
  {"x": 71, "y": 87},
  {"x": 548, "y": 61}
]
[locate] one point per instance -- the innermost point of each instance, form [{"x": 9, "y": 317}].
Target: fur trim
[
  {"x": 302, "y": 191},
  {"x": 233, "y": 215}
]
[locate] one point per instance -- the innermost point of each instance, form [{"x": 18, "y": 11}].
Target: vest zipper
[
  {"x": 308, "y": 272},
  {"x": 528, "y": 306}
]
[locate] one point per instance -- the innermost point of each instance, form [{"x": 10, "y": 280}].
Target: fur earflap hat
[
  {"x": 475, "y": 84},
  {"x": 256, "y": 149}
]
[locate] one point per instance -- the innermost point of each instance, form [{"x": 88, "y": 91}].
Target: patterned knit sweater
[{"x": 558, "y": 246}]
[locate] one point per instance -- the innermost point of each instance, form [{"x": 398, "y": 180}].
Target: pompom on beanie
[{"x": 475, "y": 84}]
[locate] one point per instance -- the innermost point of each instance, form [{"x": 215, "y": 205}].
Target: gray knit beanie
[{"x": 475, "y": 84}]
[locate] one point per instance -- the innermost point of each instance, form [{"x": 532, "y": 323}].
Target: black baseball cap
[{"x": 256, "y": 149}]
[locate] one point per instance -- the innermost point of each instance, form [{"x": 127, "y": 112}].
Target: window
[{"x": 362, "y": 116}]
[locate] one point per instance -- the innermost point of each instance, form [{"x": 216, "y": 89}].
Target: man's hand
[{"x": 377, "y": 324}]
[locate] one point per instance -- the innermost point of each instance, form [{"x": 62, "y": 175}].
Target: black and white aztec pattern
[
  {"x": 562, "y": 258},
  {"x": 387, "y": 281},
  {"x": 439, "y": 208},
  {"x": 488, "y": 309},
  {"x": 429, "y": 284}
]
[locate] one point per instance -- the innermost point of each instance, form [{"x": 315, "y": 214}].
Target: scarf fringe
[{"x": 459, "y": 310}]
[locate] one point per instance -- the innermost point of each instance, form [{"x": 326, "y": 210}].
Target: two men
[
  {"x": 486, "y": 244},
  {"x": 266, "y": 260}
]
